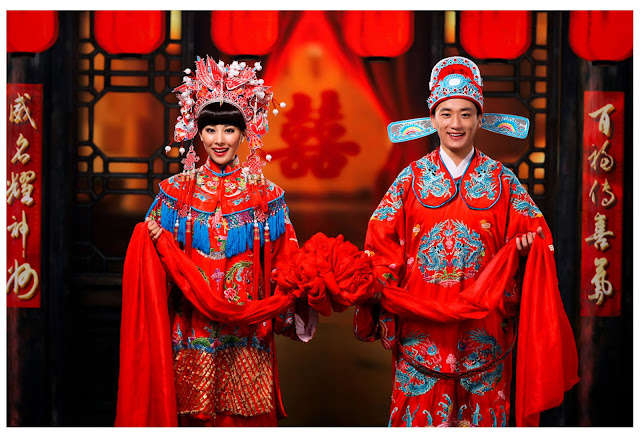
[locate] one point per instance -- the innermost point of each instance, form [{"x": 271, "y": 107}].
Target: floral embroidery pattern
[
  {"x": 392, "y": 201},
  {"x": 237, "y": 274},
  {"x": 217, "y": 276},
  {"x": 450, "y": 252},
  {"x": 520, "y": 199}
]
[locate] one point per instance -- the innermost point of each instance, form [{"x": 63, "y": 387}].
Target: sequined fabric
[{"x": 235, "y": 381}]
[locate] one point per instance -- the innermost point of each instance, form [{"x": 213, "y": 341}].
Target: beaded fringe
[{"x": 239, "y": 238}]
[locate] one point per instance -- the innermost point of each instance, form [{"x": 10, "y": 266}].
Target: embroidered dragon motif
[
  {"x": 482, "y": 184},
  {"x": 476, "y": 349},
  {"x": 392, "y": 201},
  {"x": 450, "y": 252},
  {"x": 520, "y": 199},
  {"x": 408, "y": 379},
  {"x": 433, "y": 181}
]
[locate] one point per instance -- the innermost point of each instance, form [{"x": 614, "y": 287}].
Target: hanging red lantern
[
  {"x": 384, "y": 34},
  {"x": 129, "y": 32},
  {"x": 601, "y": 35},
  {"x": 31, "y": 31},
  {"x": 258, "y": 38},
  {"x": 495, "y": 34}
]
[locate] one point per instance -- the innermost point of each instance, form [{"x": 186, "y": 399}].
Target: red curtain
[
  {"x": 378, "y": 33},
  {"x": 244, "y": 32},
  {"x": 129, "y": 32},
  {"x": 601, "y": 35},
  {"x": 31, "y": 31},
  {"x": 495, "y": 34}
]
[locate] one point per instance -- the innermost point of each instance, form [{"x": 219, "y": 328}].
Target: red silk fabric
[
  {"x": 146, "y": 389},
  {"x": 332, "y": 272}
]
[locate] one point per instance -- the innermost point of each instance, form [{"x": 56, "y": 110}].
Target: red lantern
[
  {"x": 601, "y": 35},
  {"x": 378, "y": 33},
  {"x": 495, "y": 34},
  {"x": 384, "y": 34},
  {"x": 129, "y": 32},
  {"x": 31, "y": 31},
  {"x": 244, "y": 32}
]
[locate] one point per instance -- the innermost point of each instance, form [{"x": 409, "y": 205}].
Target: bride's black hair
[{"x": 225, "y": 114}]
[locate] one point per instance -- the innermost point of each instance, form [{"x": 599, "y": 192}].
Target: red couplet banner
[
  {"x": 602, "y": 194},
  {"x": 24, "y": 194}
]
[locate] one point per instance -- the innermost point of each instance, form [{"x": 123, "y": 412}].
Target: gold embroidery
[{"x": 236, "y": 381}]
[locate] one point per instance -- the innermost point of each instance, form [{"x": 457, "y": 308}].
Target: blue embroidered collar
[{"x": 479, "y": 186}]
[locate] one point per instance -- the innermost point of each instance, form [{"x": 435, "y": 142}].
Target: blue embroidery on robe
[
  {"x": 432, "y": 181},
  {"x": 408, "y": 416},
  {"x": 476, "y": 349},
  {"x": 408, "y": 379},
  {"x": 446, "y": 411},
  {"x": 201, "y": 197},
  {"x": 482, "y": 184},
  {"x": 392, "y": 201},
  {"x": 520, "y": 199},
  {"x": 476, "y": 418},
  {"x": 494, "y": 419},
  {"x": 391, "y": 416},
  {"x": 450, "y": 252},
  {"x": 429, "y": 418}
]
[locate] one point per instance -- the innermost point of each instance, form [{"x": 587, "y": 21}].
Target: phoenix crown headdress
[{"x": 234, "y": 83}]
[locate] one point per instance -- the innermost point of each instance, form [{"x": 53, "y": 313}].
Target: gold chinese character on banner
[
  {"x": 26, "y": 178},
  {"x": 603, "y": 287},
  {"x": 606, "y": 188},
  {"x": 13, "y": 188},
  {"x": 599, "y": 237},
  {"x": 606, "y": 160},
  {"x": 20, "y": 184},
  {"x": 21, "y": 155},
  {"x": 20, "y": 228},
  {"x": 20, "y": 276},
  {"x": 19, "y": 111},
  {"x": 604, "y": 124}
]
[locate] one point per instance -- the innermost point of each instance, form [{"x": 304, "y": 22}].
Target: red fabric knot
[{"x": 332, "y": 272}]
